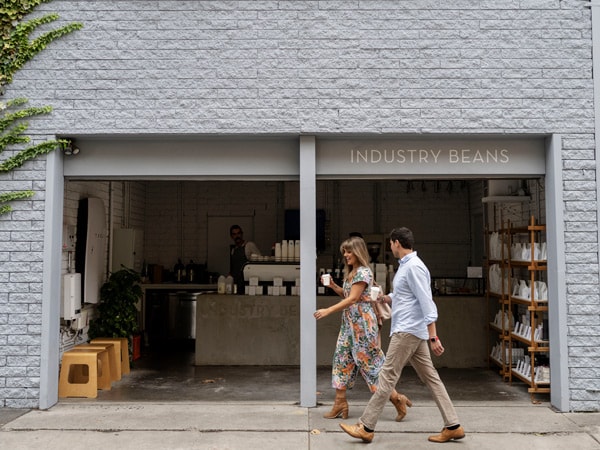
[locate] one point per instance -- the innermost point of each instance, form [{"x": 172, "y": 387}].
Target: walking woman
[{"x": 357, "y": 349}]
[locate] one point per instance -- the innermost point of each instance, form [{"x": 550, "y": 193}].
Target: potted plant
[{"x": 117, "y": 314}]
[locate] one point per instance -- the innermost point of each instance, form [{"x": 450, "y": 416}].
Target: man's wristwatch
[{"x": 433, "y": 339}]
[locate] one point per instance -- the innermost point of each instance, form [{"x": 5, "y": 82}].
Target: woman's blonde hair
[{"x": 358, "y": 247}]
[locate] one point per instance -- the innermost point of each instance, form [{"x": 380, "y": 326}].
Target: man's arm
[{"x": 434, "y": 340}]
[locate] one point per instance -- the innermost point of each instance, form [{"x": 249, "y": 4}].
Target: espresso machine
[{"x": 265, "y": 272}]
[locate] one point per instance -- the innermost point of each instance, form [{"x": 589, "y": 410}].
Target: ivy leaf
[{"x": 16, "y": 50}]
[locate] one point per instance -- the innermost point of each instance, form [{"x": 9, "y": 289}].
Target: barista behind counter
[{"x": 240, "y": 253}]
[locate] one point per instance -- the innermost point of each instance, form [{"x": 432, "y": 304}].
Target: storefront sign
[
  {"x": 422, "y": 157},
  {"x": 433, "y": 156}
]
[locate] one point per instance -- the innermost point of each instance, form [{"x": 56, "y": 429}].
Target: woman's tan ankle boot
[{"x": 340, "y": 406}]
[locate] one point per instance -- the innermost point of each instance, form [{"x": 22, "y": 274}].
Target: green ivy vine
[{"x": 16, "y": 50}]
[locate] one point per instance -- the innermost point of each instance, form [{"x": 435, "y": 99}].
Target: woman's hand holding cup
[{"x": 375, "y": 293}]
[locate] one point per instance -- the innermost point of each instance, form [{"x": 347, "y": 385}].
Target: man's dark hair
[
  {"x": 404, "y": 236},
  {"x": 235, "y": 227}
]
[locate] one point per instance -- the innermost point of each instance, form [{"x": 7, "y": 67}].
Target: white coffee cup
[
  {"x": 326, "y": 279},
  {"x": 375, "y": 291}
]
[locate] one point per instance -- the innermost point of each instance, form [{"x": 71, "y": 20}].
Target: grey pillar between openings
[
  {"x": 557, "y": 291},
  {"x": 51, "y": 290},
  {"x": 308, "y": 265}
]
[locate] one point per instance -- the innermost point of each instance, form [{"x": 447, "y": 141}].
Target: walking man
[{"x": 414, "y": 314}]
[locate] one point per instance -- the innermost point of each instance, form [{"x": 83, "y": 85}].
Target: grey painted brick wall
[{"x": 229, "y": 67}]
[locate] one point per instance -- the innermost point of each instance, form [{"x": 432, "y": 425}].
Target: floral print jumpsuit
[{"x": 357, "y": 349}]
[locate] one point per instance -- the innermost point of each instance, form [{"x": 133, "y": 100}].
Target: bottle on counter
[
  {"x": 190, "y": 271},
  {"x": 229, "y": 284},
  {"x": 179, "y": 271},
  {"x": 144, "y": 273},
  {"x": 284, "y": 250},
  {"x": 221, "y": 284}
]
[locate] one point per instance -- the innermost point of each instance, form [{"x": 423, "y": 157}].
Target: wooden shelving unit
[
  {"x": 534, "y": 268},
  {"x": 520, "y": 335}
]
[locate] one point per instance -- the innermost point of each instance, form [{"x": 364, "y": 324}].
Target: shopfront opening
[{"x": 377, "y": 186}]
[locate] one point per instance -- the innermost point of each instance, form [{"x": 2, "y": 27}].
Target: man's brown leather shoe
[
  {"x": 447, "y": 435},
  {"x": 358, "y": 431}
]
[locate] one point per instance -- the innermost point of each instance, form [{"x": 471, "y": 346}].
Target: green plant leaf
[{"x": 117, "y": 311}]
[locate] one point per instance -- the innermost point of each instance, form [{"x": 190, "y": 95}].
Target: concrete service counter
[
  {"x": 257, "y": 330},
  {"x": 265, "y": 330}
]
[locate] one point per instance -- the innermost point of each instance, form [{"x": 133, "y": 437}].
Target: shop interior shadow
[{"x": 171, "y": 376}]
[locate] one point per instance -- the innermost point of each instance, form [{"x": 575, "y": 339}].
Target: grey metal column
[
  {"x": 308, "y": 265},
  {"x": 51, "y": 291},
  {"x": 557, "y": 291}
]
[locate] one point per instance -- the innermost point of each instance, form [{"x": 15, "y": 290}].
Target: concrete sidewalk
[{"x": 273, "y": 425}]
